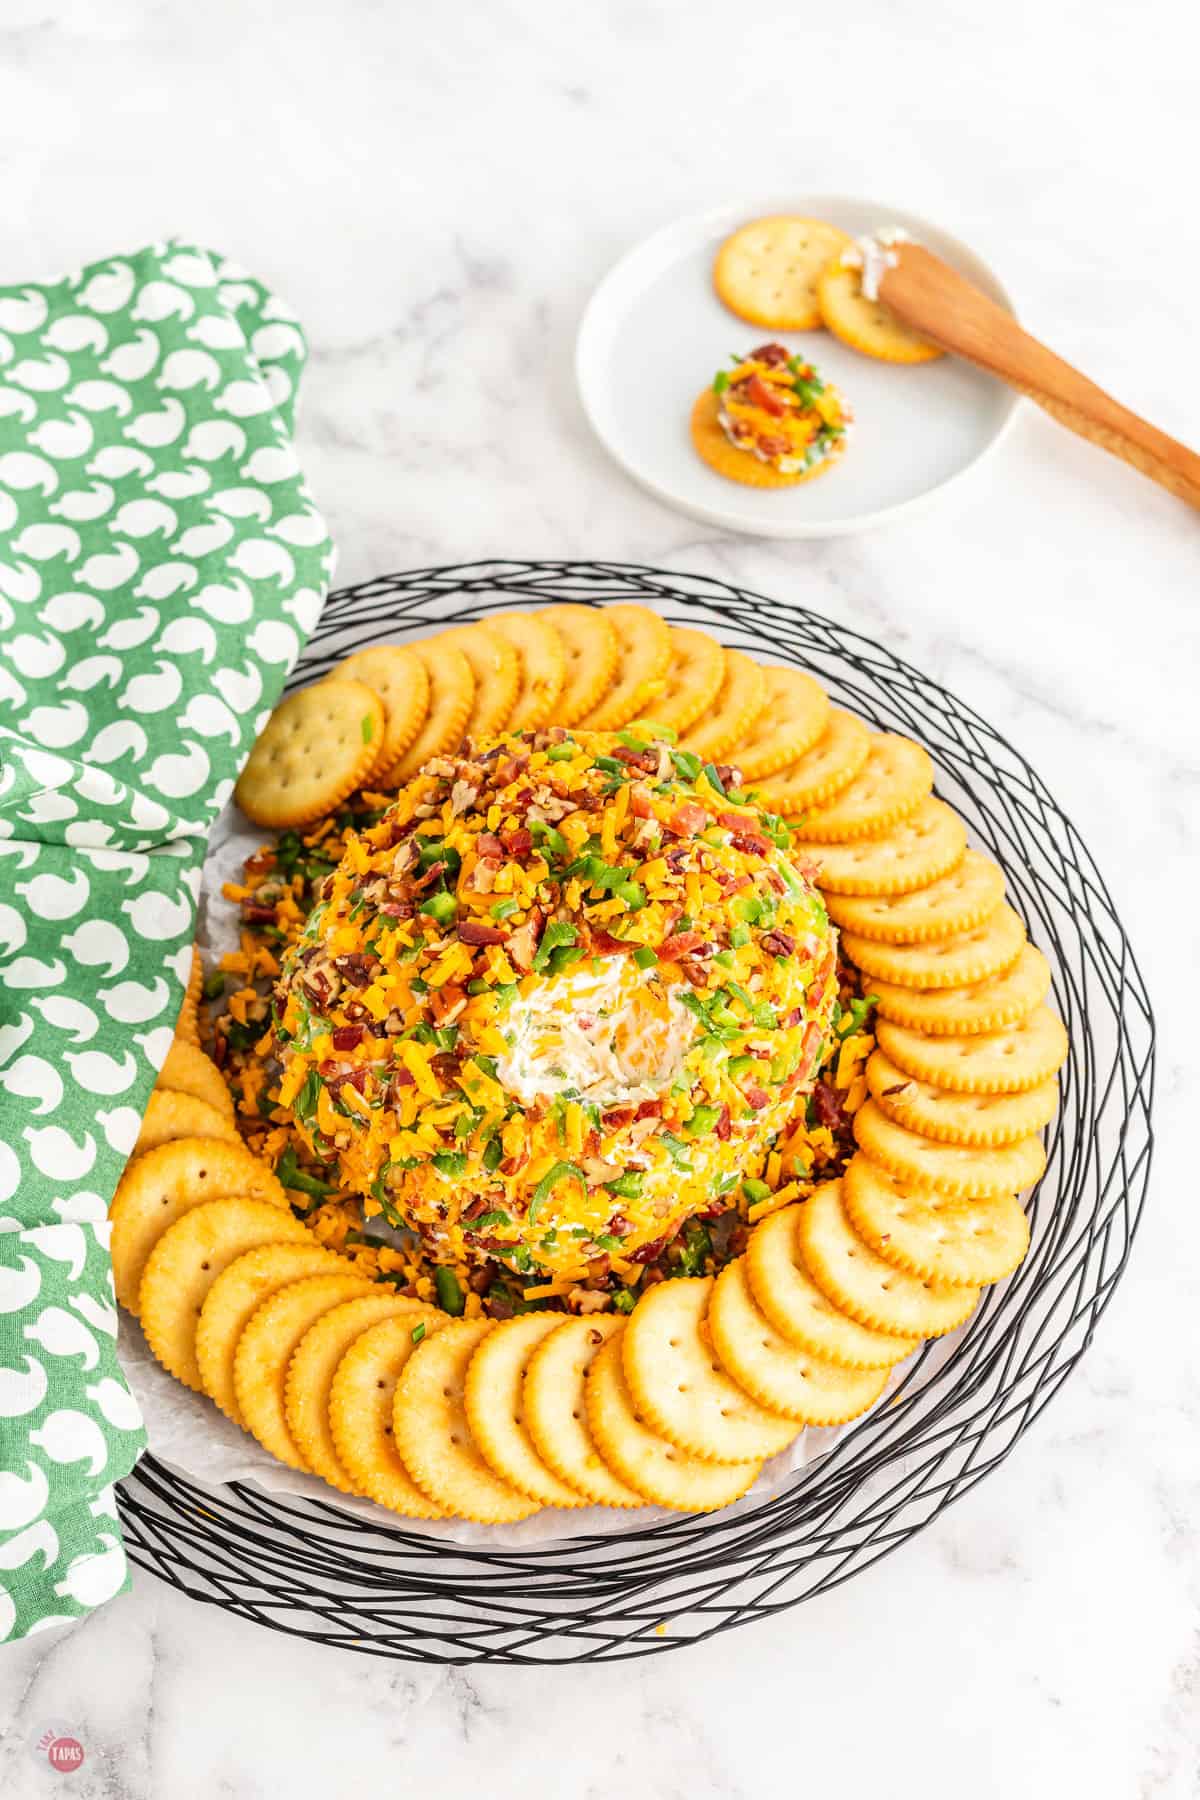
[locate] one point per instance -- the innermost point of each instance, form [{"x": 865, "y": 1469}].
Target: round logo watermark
[{"x": 56, "y": 1744}]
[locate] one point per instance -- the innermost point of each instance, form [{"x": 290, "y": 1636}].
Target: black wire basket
[{"x": 313, "y": 1570}]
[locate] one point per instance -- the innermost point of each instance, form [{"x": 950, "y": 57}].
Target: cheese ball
[{"x": 561, "y": 998}]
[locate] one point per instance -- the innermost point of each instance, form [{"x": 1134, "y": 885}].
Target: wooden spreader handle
[{"x": 942, "y": 305}]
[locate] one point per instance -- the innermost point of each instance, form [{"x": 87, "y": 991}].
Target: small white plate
[{"x": 654, "y": 334}]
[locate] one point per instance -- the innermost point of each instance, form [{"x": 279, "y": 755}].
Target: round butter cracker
[
  {"x": 979, "y": 1006},
  {"x": 662, "y": 1473},
  {"x": 589, "y": 641},
  {"x": 186, "y": 1261},
  {"x": 767, "y": 271},
  {"x": 234, "y": 1298},
  {"x": 170, "y": 1115},
  {"x": 399, "y": 677},
  {"x": 692, "y": 681},
  {"x": 678, "y": 1386},
  {"x": 969, "y": 1243},
  {"x": 929, "y": 842},
  {"x": 159, "y": 1187},
  {"x": 433, "y": 1437},
  {"x": 1008, "y": 1061},
  {"x": 794, "y": 717},
  {"x": 740, "y": 698},
  {"x": 951, "y": 1118},
  {"x": 315, "y": 1362},
  {"x": 265, "y": 1348},
  {"x": 316, "y": 748},
  {"x": 774, "y": 1371},
  {"x": 729, "y": 459},
  {"x": 643, "y": 652},
  {"x": 494, "y": 1400},
  {"x": 867, "y": 325},
  {"x": 955, "y": 902},
  {"x": 495, "y": 666},
  {"x": 956, "y": 961},
  {"x": 362, "y": 1397},
  {"x": 892, "y": 783},
  {"x": 950, "y": 1168},
  {"x": 859, "y": 1280},
  {"x": 824, "y": 770},
  {"x": 451, "y": 695},
  {"x": 188, "y": 1070},
  {"x": 797, "y": 1308}
]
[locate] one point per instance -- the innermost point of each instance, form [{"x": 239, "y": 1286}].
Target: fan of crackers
[{"x": 680, "y": 1403}]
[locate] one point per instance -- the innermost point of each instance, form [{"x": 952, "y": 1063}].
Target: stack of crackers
[{"x": 680, "y": 1403}]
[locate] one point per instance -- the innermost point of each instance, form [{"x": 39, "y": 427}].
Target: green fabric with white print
[{"x": 161, "y": 564}]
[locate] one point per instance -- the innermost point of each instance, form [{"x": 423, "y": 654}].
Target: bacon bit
[
  {"x": 475, "y": 1208},
  {"x": 518, "y": 843},
  {"x": 397, "y": 909},
  {"x": 723, "y": 1126},
  {"x": 636, "y": 759},
  {"x": 687, "y": 820},
  {"x": 347, "y": 1037},
  {"x": 772, "y": 444},
  {"x": 681, "y": 944},
  {"x": 750, "y": 842},
  {"x": 756, "y": 1097},
  {"x": 640, "y": 804},
  {"x": 400, "y": 1079},
  {"x": 489, "y": 845},
  {"x": 258, "y": 915},
  {"x": 619, "y": 1225},
  {"x": 760, "y": 393},
  {"x": 605, "y": 942},
  {"x": 773, "y": 355},
  {"x": 649, "y": 1109},
  {"x": 472, "y": 933},
  {"x": 220, "y": 1053},
  {"x": 649, "y": 1252},
  {"x": 828, "y": 1106}
]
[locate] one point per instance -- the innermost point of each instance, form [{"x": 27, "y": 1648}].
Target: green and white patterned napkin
[{"x": 161, "y": 564}]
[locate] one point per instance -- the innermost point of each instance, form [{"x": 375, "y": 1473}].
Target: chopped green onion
[
  {"x": 545, "y": 1187},
  {"x": 503, "y": 909},
  {"x": 627, "y": 1186},
  {"x": 450, "y": 1295},
  {"x": 702, "y": 1120},
  {"x": 645, "y": 957},
  {"x": 556, "y": 934},
  {"x": 440, "y": 907}
]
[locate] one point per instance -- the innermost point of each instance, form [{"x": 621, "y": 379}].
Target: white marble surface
[{"x": 436, "y": 189}]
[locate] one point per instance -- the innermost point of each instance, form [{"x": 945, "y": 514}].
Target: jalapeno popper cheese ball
[{"x": 563, "y": 996}]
